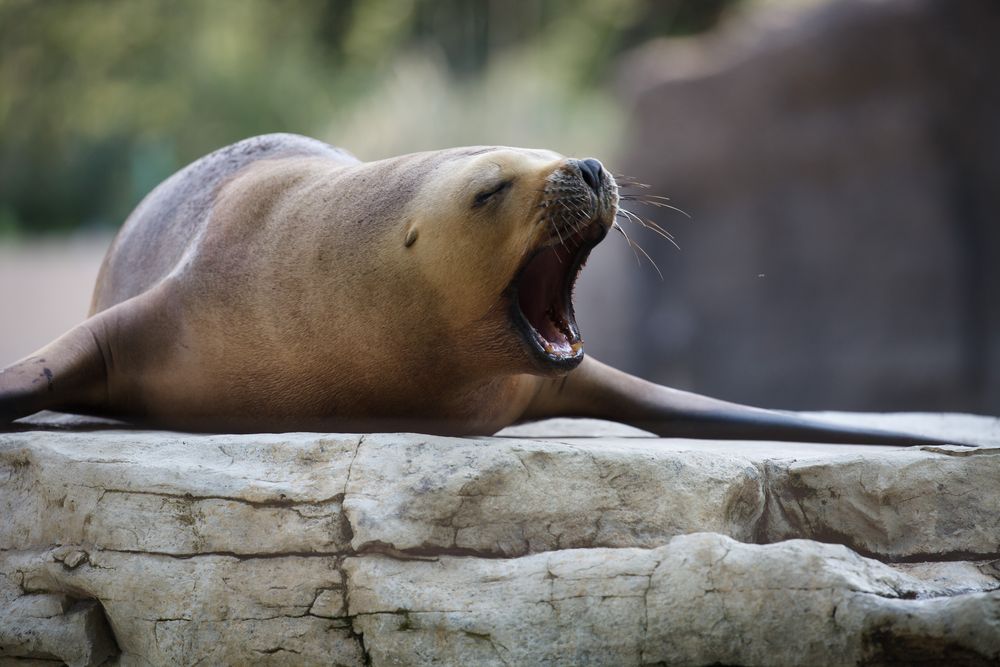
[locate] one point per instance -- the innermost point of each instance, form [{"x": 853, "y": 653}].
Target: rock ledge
[{"x": 562, "y": 543}]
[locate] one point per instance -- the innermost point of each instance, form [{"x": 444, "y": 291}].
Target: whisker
[
  {"x": 644, "y": 222},
  {"x": 630, "y": 215},
  {"x": 629, "y": 182},
  {"x": 646, "y": 255},
  {"x": 643, "y": 197},
  {"x": 658, "y": 272},
  {"x": 580, "y": 217},
  {"x": 674, "y": 208},
  {"x": 651, "y": 226},
  {"x": 660, "y": 204},
  {"x": 556, "y": 227},
  {"x": 631, "y": 246}
]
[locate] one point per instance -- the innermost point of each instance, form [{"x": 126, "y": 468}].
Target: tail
[
  {"x": 68, "y": 374},
  {"x": 596, "y": 390}
]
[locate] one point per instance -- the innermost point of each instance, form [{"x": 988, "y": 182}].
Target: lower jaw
[
  {"x": 544, "y": 363},
  {"x": 559, "y": 365}
]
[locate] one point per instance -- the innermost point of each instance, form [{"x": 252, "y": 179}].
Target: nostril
[{"x": 591, "y": 171}]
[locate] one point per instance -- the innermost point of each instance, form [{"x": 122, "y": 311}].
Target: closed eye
[{"x": 486, "y": 195}]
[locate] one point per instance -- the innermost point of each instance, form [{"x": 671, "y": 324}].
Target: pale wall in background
[{"x": 45, "y": 288}]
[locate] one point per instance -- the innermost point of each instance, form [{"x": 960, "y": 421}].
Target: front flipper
[
  {"x": 599, "y": 391},
  {"x": 66, "y": 374},
  {"x": 72, "y": 372}
]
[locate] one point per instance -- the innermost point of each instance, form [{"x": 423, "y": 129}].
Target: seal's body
[{"x": 281, "y": 284}]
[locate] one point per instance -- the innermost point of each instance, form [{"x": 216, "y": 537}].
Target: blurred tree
[{"x": 101, "y": 100}]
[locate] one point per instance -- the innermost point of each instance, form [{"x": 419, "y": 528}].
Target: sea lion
[{"x": 282, "y": 284}]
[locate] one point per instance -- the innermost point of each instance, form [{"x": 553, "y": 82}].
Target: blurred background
[{"x": 840, "y": 162}]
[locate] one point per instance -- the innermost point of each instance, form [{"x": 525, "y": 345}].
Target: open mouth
[{"x": 542, "y": 297}]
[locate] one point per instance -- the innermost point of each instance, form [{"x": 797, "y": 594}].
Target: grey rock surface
[
  {"x": 55, "y": 627},
  {"x": 563, "y": 542},
  {"x": 700, "y": 599}
]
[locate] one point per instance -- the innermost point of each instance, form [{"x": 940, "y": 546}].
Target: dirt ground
[{"x": 45, "y": 288}]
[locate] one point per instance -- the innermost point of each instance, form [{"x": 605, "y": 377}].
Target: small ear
[{"x": 411, "y": 237}]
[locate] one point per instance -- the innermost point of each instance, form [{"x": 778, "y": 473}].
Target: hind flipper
[
  {"x": 67, "y": 374},
  {"x": 596, "y": 390}
]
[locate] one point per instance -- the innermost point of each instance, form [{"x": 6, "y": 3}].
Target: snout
[{"x": 594, "y": 184}]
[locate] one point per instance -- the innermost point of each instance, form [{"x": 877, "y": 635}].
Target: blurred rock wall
[{"x": 842, "y": 165}]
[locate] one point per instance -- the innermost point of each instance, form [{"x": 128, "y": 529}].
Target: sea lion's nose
[{"x": 591, "y": 170}]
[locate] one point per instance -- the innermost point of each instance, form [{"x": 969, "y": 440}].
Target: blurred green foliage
[{"x": 101, "y": 100}]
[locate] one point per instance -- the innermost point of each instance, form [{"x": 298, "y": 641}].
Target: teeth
[
  {"x": 549, "y": 349},
  {"x": 577, "y": 346},
  {"x": 560, "y": 323}
]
